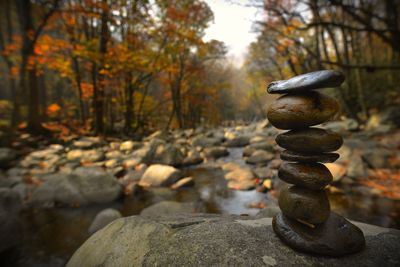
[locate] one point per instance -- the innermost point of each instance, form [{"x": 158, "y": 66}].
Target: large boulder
[
  {"x": 103, "y": 218},
  {"x": 7, "y": 155},
  {"x": 215, "y": 240},
  {"x": 172, "y": 207},
  {"x": 10, "y": 226},
  {"x": 85, "y": 185},
  {"x": 160, "y": 175}
]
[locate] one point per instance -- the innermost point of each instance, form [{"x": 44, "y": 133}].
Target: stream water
[{"x": 52, "y": 235}]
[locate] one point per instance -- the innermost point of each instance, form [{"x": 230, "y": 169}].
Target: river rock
[
  {"x": 10, "y": 226},
  {"x": 184, "y": 182},
  {"x": 378, "y": 157},
  {"x": 7, "y": 155},
  {"x": 335, "y": 237},
  {"x": 242, "y": 185},
  {"x": 238, "y": 141},
  {"x": 305, "y": 82},
  {"x": 309, "y": 158},
  {"x": 92, "y": 155},
  {"x": 130, "y": 145},
  {"x": 168, "y": 155},
  {"x": 260, "y": 157},
  {"x": 114, "y": 154},
  {"x": 240, "y": 174},
  {"x": 160, "y": 175},
  {"x": 310, "y": 140},
  {"x": 87, "y": 142},
  {"x": 193, "y": 158},
  {"x": 215, "y": 152},
  {"x": 103, "y": 218},
  {"x": 218, "y": 240},
  {"x": 172, "y": 207},
  {"x": 230, "y": 166},
  {"x": 85, "y": 185},
  {"x": 310, "y": 175},
  {"x": 203, "y": 141},
  {"x": 304, "y": 204},
  {"x": 300, "y": 111}
]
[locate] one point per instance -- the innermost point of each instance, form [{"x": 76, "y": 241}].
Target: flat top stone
[
  {"x": 308, "y": 81},
  {"x": 215, "y": 240}
]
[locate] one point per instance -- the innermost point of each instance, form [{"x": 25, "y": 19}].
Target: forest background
[{"x": 133, "y": 66}]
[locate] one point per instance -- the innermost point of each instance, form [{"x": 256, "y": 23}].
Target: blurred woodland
[{"x": 131, "y": 66}]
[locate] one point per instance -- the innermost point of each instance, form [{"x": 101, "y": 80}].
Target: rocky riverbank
[{"x": 160, "y": 174}]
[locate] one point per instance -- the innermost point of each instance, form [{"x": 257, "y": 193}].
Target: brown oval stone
[
  {"x": 309, "y": 158},
  {"x": 304, "y": 204},
  {"x": 310, "y": 140},
  {"x": 335, "y": 237},
  {"x": 296, "y": 111},
  {"x": 310, "y": 175}
]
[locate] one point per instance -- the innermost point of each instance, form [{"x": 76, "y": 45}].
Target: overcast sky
[{"x": 232, "y": 25}]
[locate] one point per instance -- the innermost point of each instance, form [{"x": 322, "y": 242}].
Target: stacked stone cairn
[{"x": 306, "y": 222}]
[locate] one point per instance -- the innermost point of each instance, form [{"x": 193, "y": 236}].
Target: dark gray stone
[
  {"x": 10, "y": 224},
  {"x": 310, "y": 175},
  {"x": 309, "y": 158},
  {"x": 335, "y": 237},
  {"x": 309, "y": 81},
  {"x": 310, "y": 140},
  {"x": 304, "y": 204},
  {"x": 7, "y": 155}
]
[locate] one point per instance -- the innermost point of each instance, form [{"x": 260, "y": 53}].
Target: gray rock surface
[
  {"x": 308, "y": 81},
  {"x": 214, "y": 240},
  {"x": 103, "y": 218},
  {"x": 260, "y": 157},
  {"x": 215, "y": 152},
  {"x": 10, "y": 227},
  {"x": 7, "y": 155},
  {"x": 83, "y": 186},
  {"x": 164, "y": 208}
]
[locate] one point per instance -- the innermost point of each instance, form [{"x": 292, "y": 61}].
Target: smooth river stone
[
  {"x": 310, "y": 175},
  {"x": 335, "y": 237},
  {"x": 304, "y": 204},
  {"x": 310, "y": 140},
  {"x": 305, "y": 82},
  {"x": 297, "y": 111},
  {"x": 309, "y": 158}
]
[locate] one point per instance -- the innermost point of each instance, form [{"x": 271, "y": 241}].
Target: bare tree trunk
[{"x": 99, "y": 100}]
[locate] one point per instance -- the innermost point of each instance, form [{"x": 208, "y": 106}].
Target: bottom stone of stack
[{"x": 335, "y": 237}]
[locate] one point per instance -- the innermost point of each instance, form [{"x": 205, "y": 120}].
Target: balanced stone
[
  {"x": 310, "y": 140},
  {"x": 305, "y": 82},
  {"x": 310, "y": 175},
  {"x": 335, "y": 237},
  {"x": 297, "y": 111},
  {"x": 304, "y": 204},
  {"x": 309, "y": 158}
]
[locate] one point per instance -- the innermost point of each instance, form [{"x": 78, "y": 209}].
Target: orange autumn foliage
[{"x": 53, "y": 109}]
